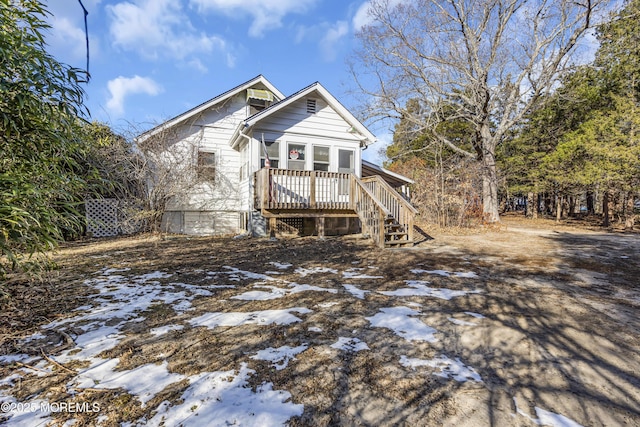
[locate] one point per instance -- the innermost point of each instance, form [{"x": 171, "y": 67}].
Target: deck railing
[
  {"x": 375, "y": 201},
  {"x": 292, "y": 189}
]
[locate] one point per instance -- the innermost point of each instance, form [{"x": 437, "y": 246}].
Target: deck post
[
  {"x": 266, "y": 178},
  {"x": 272, "y": 227},
  {"x": 410, "y": 231},
  {"x": 320, "y": 226},
  {"x": 312, "y": 190},
  {"x": 381, "y": 236},
  {"x": 352, "y": 192}
]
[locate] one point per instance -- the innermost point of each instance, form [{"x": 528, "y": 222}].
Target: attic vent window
[
  {"x": 264, "y": 95},
  {"x": 258, "y": 100},
  {"x": 311, "y": 106}
]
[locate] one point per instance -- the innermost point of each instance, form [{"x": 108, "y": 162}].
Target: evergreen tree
[{"x": 40, "y": 181}]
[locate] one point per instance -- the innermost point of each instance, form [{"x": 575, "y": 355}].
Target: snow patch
[
  {"x": 448, "y": 368},
  {"x": 144, "y": 381},
  {"x": 399, "y": 320},
  {"x": 461, "y": 322},
  {"x": 476, "y": 315},
  {"x": 237, "y": 275},
  {"x": 446, "y": 273},
  {"x": 265, "y": 317},
  {"x": 164, "y": 329},
  {"x": 279, "y": 356},
  {"x": 356, "y": 292},
  {"x": 315, "y": 270},
  {"x": 225, "y": 398},
  {"x": 277, "y": 292},
  {"x": 418, "y": 288},
  {"x": 350, "y": 344},
  {"x": 281, "y": 265},
  {"x": 546, "y": 418},
  {"x": 328, "y": 304},
  {"x": 151, "y": 276},
  {"x": 356, "y": 273},
  {"x": 25, "y": 414}
]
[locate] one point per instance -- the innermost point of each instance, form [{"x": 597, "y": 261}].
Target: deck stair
[
  {"x": 395, "y": 234},
  {"x": 385, "y": 215}
]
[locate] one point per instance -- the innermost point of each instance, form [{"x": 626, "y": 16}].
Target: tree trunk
[
  {"x": 490, "y": 206},
  {"x": 548, "y": 205},
  {"x": 536, "y": 208},
  {"x": 530, "y": 206},
  {"x": 558, "y": 208},
  {"x": 605, "y": 209},
  {"x": 591, "y": 206},
  {"x": 572, "y": 205},
  {"x": 630, "y": 216}
]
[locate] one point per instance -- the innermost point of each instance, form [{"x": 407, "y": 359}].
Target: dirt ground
[{"x": 547, "y": 316}]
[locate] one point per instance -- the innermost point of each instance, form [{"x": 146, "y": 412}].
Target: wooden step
[
  {"x": 398, "y": 243},
  {"x": 395, "y": 233}
]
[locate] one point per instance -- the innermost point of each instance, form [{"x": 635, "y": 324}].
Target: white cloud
[
  {"x": 196, "y": 64},
  {"x": 155, "y": 28},
  {"x": 327, "y": 35},
  {"x": 65, "y": 37},
  {"x": 331, "y": 39},
  {"x": 121, "y": 87},
  {"x": 363, "y": 16},
  {"x": 266, "y": 14}
]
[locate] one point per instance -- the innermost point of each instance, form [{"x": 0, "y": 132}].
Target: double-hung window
[
  {"x": 297, "y": 156},
  {"x": 320, "y": 158},
  {"x": 272, "y": 149}
]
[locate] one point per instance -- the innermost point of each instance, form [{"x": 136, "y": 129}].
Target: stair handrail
[
  {"x": 402, "y": 210},
  {"x": 393, "y": 192},
  {"x": 374, "y": 225}
]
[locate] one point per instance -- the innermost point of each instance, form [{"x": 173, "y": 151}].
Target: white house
[{"x": 259, "y": 158}]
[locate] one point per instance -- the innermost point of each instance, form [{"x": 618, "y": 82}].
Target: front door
[
  {"x": 346, "y": 161},
  {"x": 346, "y": 164}
]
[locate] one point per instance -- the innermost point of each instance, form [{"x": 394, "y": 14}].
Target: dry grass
[{"x": 551, "y": 337}]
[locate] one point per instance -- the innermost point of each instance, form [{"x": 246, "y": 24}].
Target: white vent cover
[{"x": 311, "y": 106}]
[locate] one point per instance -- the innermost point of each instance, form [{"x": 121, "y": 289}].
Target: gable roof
[
  {"x": 260, "y": 79},
  {"x": 366, "y": 137}
]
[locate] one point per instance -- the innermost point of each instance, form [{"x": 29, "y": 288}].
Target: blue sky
[{"x": 153, "y": 59}]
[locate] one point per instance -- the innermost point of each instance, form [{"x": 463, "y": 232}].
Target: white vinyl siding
[
  {"x": 210, "y": 133},
  {"x": 294, "y": 119},
  {"x": 204, "y": 223}
]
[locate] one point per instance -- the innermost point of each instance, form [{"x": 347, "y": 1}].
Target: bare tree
[
  {"x": 489, "y": 60},
  {"x": 167, "y": 167}
]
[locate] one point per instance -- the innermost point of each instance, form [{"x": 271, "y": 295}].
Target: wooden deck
[{"x": 385, "y": 215}]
